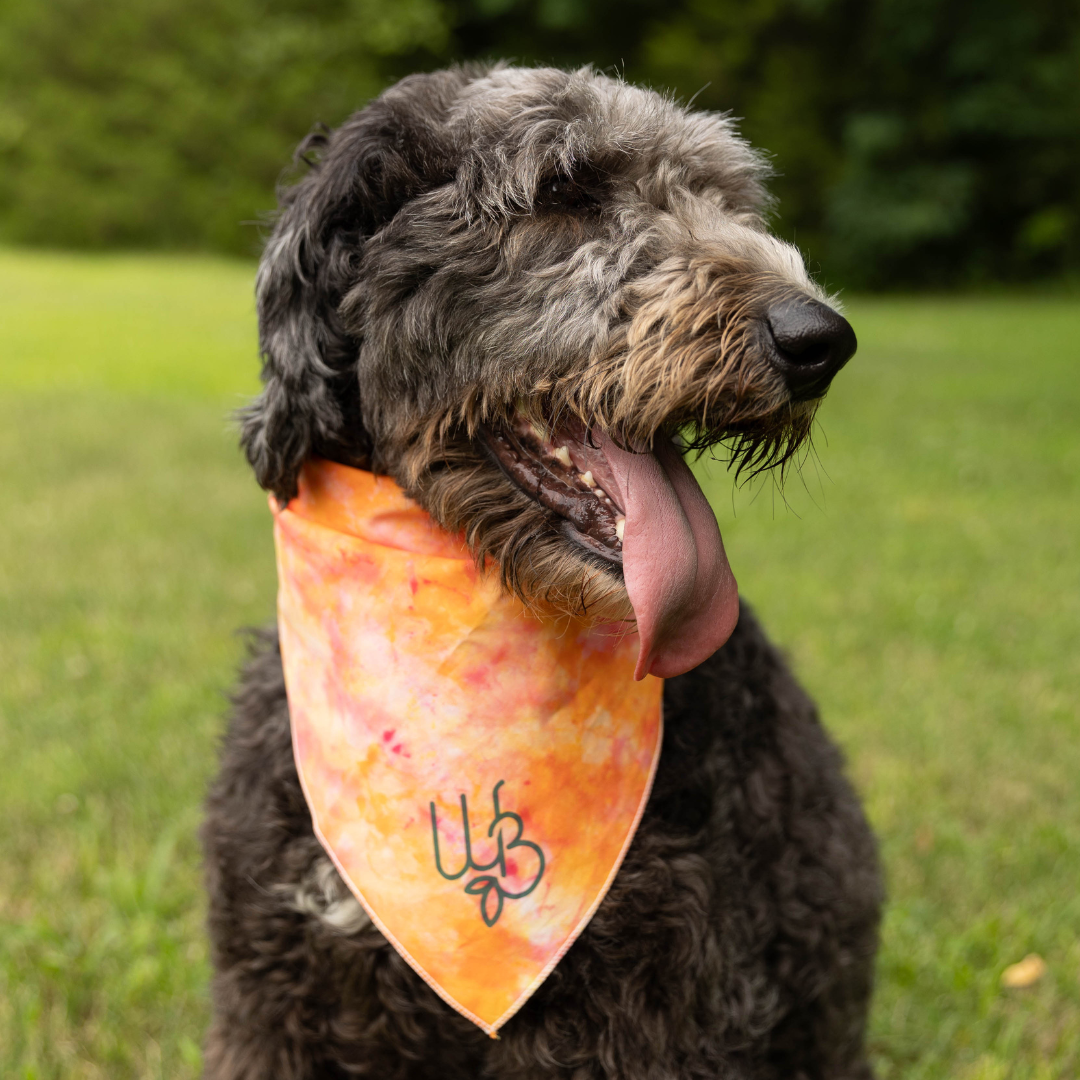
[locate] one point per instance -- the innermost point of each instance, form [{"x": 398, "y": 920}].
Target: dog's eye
[{"x": 564, "y": 193}]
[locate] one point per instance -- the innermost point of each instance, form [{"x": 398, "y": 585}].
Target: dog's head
[{"x": 523, "y": 294}]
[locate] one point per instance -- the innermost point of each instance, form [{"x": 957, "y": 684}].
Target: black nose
[{"x": 809, "y": 344}]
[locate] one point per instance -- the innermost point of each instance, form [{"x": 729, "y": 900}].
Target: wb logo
[{"x": 488, "y": 886}]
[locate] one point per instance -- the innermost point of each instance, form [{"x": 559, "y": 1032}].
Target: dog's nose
[{"x": 810, "y": 344}]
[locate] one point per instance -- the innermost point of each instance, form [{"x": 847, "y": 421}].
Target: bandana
[{"x": 475, "y": 772}]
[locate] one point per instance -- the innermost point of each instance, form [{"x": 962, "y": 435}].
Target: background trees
[{"x": 919, "y": 142}]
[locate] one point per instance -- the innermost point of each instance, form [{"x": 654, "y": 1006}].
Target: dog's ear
[{"x": 359, "y": 177}]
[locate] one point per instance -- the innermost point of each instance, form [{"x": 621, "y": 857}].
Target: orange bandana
[{"x": 476, "y": 773}]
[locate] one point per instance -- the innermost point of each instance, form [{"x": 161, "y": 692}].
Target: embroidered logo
[{"x": 487, "y": 884}]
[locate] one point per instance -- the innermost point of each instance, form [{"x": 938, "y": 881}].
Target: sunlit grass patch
[{"x": 925, "y": 582}]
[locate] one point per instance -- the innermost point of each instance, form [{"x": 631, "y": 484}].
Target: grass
[{"x": 927, "y": 588}]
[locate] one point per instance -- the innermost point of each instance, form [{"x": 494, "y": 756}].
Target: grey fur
[
  {"x": 324, "y": 896},
  {"x": 475, "y": 245}
]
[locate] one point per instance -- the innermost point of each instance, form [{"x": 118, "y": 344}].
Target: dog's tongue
[{"x": 677, "y": 576}]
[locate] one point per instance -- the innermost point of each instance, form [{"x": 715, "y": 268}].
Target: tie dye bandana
[{"x": 475, "y": 772}]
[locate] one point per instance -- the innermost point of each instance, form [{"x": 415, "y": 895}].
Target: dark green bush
[
  {"x": 919, "y": 142},
  {"x": 166, "y": 123}
]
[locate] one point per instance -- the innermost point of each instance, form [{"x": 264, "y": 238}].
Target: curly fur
[
  {"x": 474, "y": 245},
  {"x": 419, "y": 285},
  {"x": 736, "y": 941}
]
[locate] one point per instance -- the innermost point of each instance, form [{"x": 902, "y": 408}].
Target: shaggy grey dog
[{"x": 483, "y": 267}]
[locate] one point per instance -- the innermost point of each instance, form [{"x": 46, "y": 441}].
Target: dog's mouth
[{"x": 640, "y": 510}]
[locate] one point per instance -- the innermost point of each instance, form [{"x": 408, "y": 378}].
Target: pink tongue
[{"x": 677, "y": 576}]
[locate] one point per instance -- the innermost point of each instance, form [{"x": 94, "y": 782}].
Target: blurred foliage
[
  {"x": 167, "y": 122},
  {"x": 919, "y": 142}
]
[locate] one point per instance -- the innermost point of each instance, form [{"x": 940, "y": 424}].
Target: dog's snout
[{"x": 809, "y": 344}]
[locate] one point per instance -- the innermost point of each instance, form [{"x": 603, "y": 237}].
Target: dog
[{"x": 481, "y": 267}]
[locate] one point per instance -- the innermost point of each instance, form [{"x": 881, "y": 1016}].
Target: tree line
[{"x": 918, "y": 143}]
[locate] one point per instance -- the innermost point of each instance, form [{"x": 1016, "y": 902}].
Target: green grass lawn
[{"x": 924, "y": 578}]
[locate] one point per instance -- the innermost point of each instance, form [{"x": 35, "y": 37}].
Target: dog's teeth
[
  {"x": 599, "y": 493},
  {"x": 587, "y": 479},
  {"x": 620, "y": 528},
  {"x": 563, "y": 454}
]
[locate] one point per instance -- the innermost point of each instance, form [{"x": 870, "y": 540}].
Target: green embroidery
[{"x": 488, "y": 884}]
